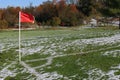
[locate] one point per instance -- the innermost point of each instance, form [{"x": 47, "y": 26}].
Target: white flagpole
[{"x": 19, "y": 37}]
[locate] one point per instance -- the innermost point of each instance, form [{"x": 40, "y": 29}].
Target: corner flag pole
[
  {"x": 19, "y": 37},
  {"x": 23, "y": 17}
]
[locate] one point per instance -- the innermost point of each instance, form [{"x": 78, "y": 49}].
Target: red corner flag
[{"x": 25, "y": 17}]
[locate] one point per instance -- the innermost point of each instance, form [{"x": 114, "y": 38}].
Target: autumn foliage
[{"x": 54, "y": 13}]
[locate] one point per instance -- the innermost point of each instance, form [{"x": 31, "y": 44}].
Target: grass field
[{"x": 69, "y": 54}]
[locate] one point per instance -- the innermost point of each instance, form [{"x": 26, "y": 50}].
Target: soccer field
[{"x": 70, "y": 54}]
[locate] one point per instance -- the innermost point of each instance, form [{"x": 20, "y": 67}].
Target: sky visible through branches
[{"x": 21, "y": 3}]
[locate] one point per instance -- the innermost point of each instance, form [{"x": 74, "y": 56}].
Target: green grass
[
  {"x": 22, "y": 73},
  {"x": 75, "y": 67},
  {"x": 37, "y": 63},
  {"x": 117, "y": 73},
  {"x": 7, "y": 57},
  {"x": 34, "y": 56},
  {"x": 21, "y": 76},
  {"x": 69, "y": 64}
]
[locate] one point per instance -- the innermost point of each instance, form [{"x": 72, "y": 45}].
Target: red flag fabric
[{"x": 25, "y": 17}]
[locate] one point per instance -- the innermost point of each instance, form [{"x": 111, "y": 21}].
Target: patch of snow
[
  {"x": 115, "y": 53},
  {"x": 112, "y": 75},
  {"x": 1, "y": 48},
  {"x": 5, "y": 72},
  {"x": 51, "y": 76},
  {"x": 42, "y": 76},
  {"x": 117, "y": 67},
  {"x": 28, "y": 51},
  {"x": 4, "y": 46},
  {"x": 100, "y": 41},
  {"x": 56, "y": 47},
  {"x": 49, "y": 61},
  {"x": 97, "y": 74}
]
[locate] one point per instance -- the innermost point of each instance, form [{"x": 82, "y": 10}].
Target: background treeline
[{"x": 62, "y": 12}]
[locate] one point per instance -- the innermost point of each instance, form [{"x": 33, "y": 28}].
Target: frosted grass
[{"x": 58, "y": 45}]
